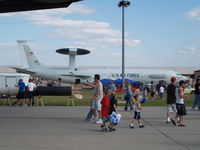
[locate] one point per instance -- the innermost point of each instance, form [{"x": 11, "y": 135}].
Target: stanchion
[
  {"x": 71, "y": 100},
  {"x": 40, "y": 100}
]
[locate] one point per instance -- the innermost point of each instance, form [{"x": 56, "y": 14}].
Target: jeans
[
  {"x": 90, "y": 113},
  {"x": 196, "y": 101},
  {"x": 129, "y": 102},
  {"x": 161, "y": 95}
]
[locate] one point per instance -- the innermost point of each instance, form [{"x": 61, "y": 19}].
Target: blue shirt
[
  {"x": 111, "y": 88},
  {"x": 129, "y": 91},
  {"x": 21, "y": 86}
]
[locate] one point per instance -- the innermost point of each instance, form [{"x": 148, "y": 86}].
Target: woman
[{"x": 128, "y": 96}]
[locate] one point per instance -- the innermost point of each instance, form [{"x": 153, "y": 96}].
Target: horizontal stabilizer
[{"x": 20, "y": 70}]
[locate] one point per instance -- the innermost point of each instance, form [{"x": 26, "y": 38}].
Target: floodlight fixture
[{"x": 124, "y": 3}]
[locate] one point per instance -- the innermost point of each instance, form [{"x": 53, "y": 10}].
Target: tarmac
[{"x": 65, "y": 128}]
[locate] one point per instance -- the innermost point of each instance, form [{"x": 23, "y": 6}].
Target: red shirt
[{"x": 105, "y": 103}]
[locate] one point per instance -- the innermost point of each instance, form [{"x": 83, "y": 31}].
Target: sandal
[
  {"x": 173, "y": 121},
  {"x": 181, "y": 125},
  {"x": 110, "y": 128}
]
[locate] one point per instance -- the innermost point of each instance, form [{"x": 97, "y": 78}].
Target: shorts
[
  {"x": 171, "y": 108},
  {"x": 181, "y": 110},
  {"x": 96, "y": 104},
  {"x": 20, "y": 95},
  {"x": 137, "y": 115},
  {"x": 105, "y": 119},
  {"x": 153, "y": 94}
]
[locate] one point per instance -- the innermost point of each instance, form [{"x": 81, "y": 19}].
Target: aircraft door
[
  {"x": 78, "y": 81},
  {"x": 2, "y": 82},
  {"x": 11, "y": 81}
]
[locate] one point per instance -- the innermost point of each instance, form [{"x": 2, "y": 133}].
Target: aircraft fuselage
[{"x": 144, "y": 75}]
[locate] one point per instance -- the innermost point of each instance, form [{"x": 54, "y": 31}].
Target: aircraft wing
[
  {"x": 76, "y": 75},
  {"x": 20, "y": 70},
  {"x": 25, "y": 5}
]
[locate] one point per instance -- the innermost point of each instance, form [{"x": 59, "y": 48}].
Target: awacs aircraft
[
  {"x": 25, "y": 5},
  {"x": 32, "y": 66}
]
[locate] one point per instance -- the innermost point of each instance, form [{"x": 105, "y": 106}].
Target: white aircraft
[{"x": 32, "y": 66}]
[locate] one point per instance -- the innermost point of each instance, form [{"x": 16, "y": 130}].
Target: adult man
[
  {"x": 197, "y": 95},
  {"x": 153, "y": 91},
  {"x": 31, "y": 88},
  {"x": 171, "y": 99},
  {"x": 97, "y": 97},
  {"x": 21, "y": 92}
]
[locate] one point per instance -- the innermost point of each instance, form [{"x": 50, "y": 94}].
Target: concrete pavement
[{"x": 65, "y": 128}]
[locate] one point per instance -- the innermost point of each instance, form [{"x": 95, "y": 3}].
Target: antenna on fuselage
[{"x": 72, "y": 52}]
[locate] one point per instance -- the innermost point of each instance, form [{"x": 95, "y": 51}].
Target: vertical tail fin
[{"x": 29, "y": 60}]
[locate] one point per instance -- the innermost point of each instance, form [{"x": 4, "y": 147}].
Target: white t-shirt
[
  {"x": 98, "y": 91},
  {"x": 178, "y": 99},
  {"x": 161, "y": 89},
  {"x": 137, "y": 109},
  {"x": 31, "y": 86}
]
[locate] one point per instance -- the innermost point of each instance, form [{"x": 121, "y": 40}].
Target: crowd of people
[
  {"x": 105, "y": 103},
  {"x": 26, "y": 93},
  {"x": 44, "y": 82},
  {"x": 25, "y": 96},
  {"x": 175, "y": 102}
]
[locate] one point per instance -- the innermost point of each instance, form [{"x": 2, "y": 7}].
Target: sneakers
[
  {"x": 114, "y": 129},
  {"x": 131, "y": 126},
  {"x": 103, "y": 128},
  {"x": 168, "y": 121},
  {"x": 141, "y": 126},
  {"x": 110, "y": 128},
  {"x": 99, "y": 121}
]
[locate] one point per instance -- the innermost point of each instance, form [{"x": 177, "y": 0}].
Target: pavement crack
[{"x": 167, "y": 136}]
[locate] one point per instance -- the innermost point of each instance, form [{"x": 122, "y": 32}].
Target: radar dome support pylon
[{"x": 72, "y": 52}]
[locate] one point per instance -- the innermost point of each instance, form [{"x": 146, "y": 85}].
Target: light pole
[{"x": 123, "y": 4}]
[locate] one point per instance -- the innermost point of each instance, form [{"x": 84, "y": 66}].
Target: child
[
  {"x": 105, "y": 103},
  {"x": 113, "y": 108},
  {"x": 138, "y": 110},
  {"x": 180, "y": 106},
  {"x": 161, "y": 92}
]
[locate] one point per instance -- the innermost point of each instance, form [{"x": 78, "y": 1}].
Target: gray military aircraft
[
  {"x": 25, "y": 5},
  {"x": 32, "y": 65}
]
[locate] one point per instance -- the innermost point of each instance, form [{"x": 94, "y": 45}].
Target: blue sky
[{"x": 158, "y": 33}]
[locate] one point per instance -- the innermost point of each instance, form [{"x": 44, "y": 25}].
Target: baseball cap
[
  {"x": 181, "y": 82},
  {"x": 173, "y": 78}
]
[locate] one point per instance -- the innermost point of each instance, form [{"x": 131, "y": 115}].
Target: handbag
[
  {"x": 114, "y": 118},
  {"x": 127, "y": 97}
]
